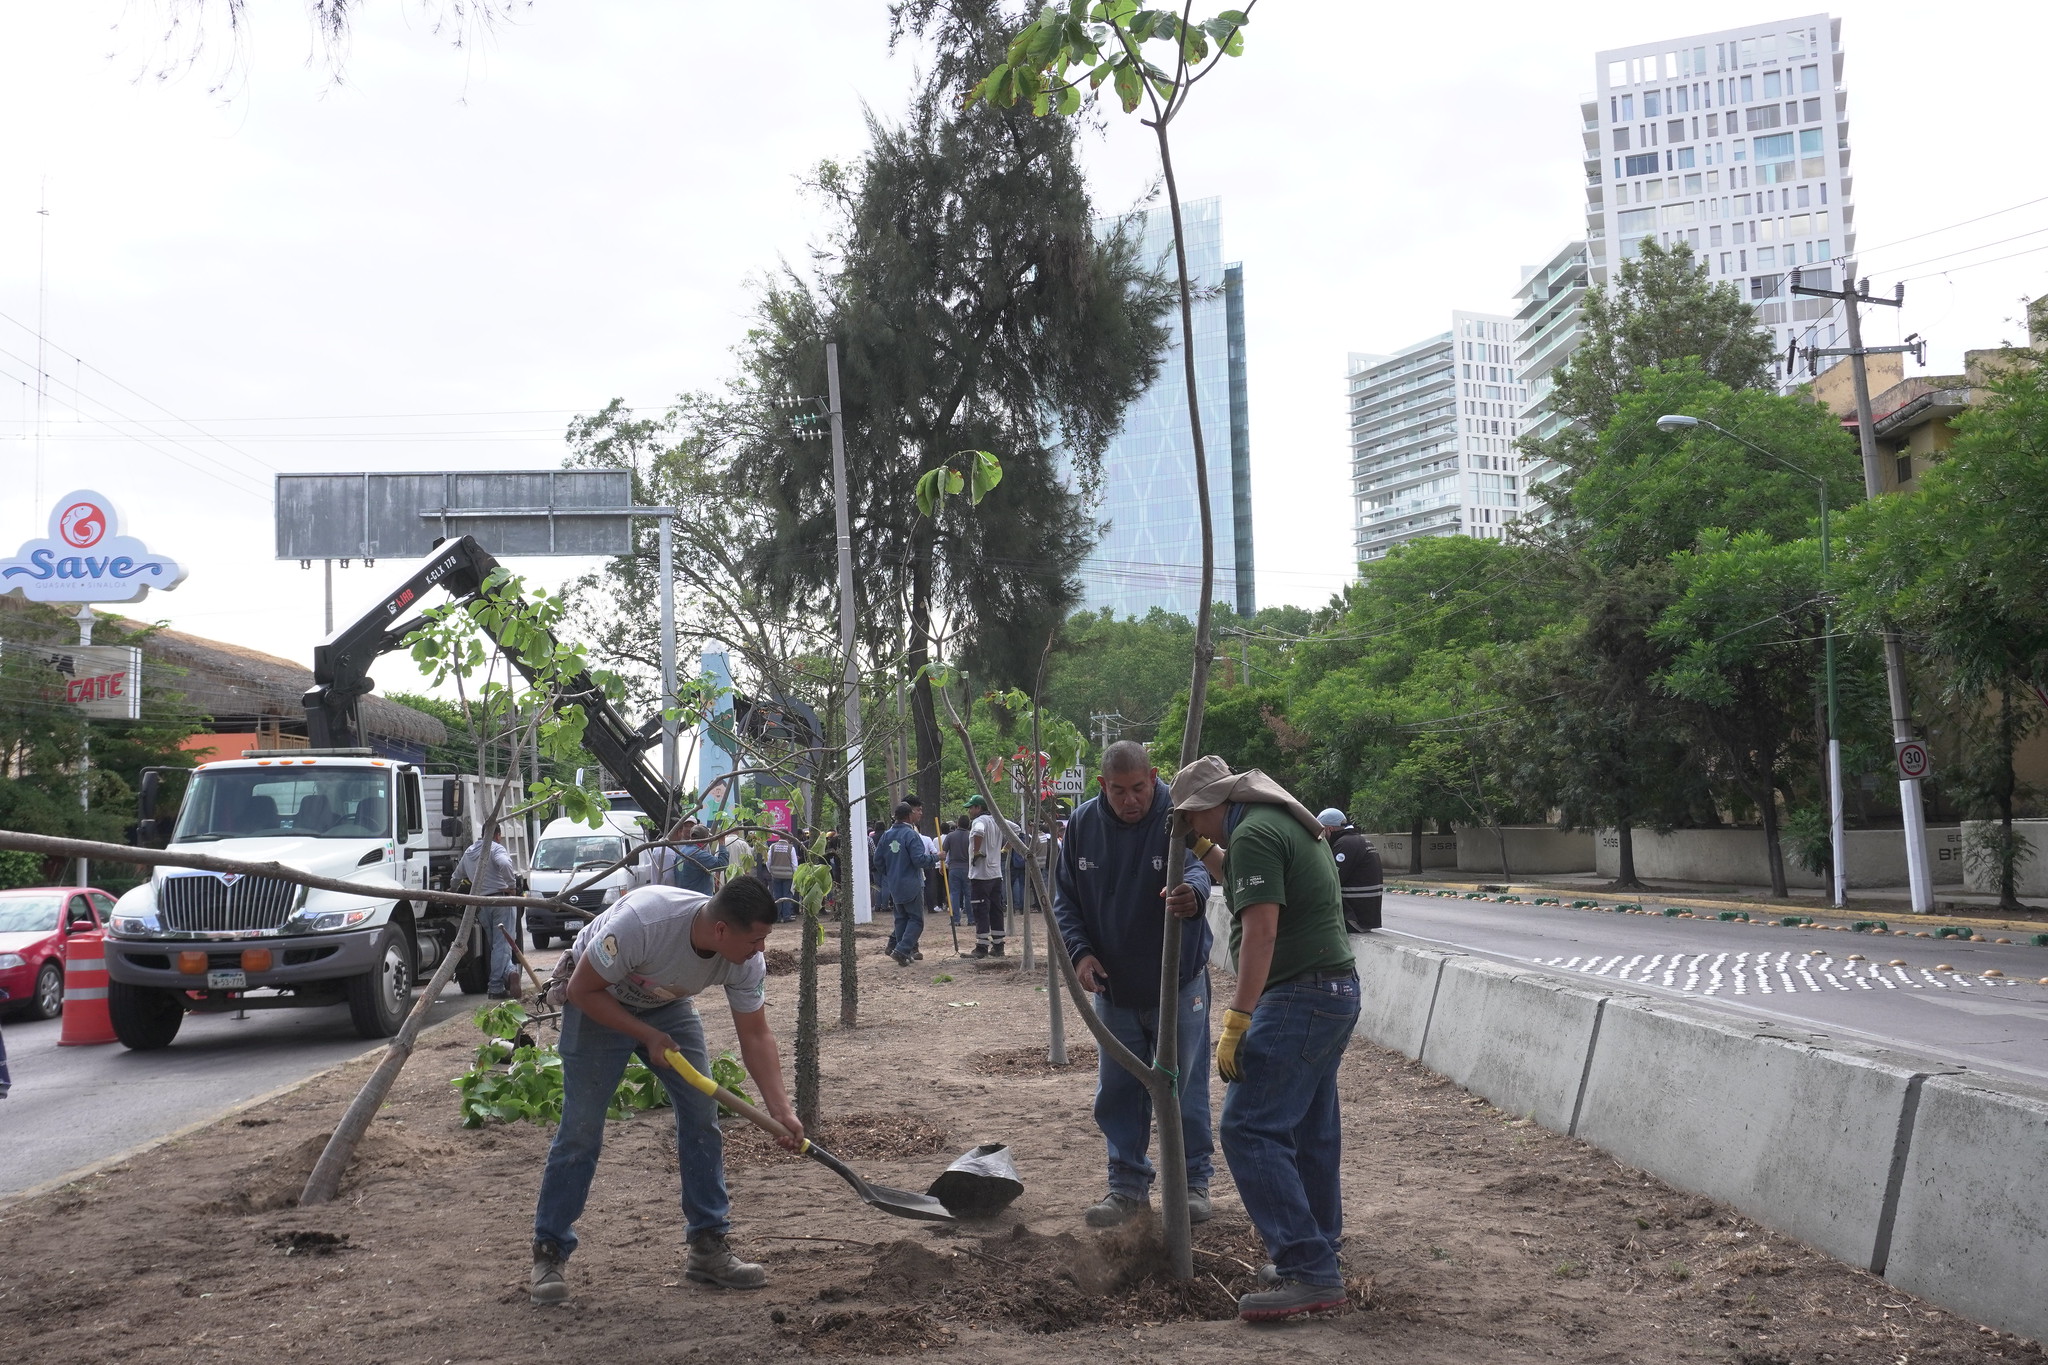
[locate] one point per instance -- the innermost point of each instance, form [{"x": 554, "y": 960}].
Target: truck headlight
[
  {"x": 137, "y": 926},
  {"x": 326, "y": 921}
]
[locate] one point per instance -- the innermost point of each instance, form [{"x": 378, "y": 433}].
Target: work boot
[
  {"x": 512, "y": 985},
  {"x": 1199, "y": 1208},
  {"x": 996, "y": 951},
  {"x": 1114, "y": 1210},
  {"x": 712, "y": 1262},
  {"x": 1290, "y": 1299},
  {"x": 547, "y": 1284},
  {"x": 900, "y": 959},
  {"x": 980, "y": 950}
]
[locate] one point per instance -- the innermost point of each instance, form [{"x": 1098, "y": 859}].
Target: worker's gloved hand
[{"x": 1235, "y": 1022}]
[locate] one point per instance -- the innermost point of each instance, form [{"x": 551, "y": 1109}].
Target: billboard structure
[{"x": 403, "y": 515}]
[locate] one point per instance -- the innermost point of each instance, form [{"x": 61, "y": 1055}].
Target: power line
[
  {"x": 1901, "y": 241},
  {"x": 1936, "y": 274}
]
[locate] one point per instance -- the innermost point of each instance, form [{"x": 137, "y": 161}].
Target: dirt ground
[{"x": 1474, "y": 1235}]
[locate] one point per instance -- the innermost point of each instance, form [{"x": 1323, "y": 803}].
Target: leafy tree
[
  {"x": 1661, "y": 308},
  {"x": 1133, "y": 668},
  {"x": 1587, "y": 734},
  {"x": 1746, "y": 630},
  {"x": 977, "y": 305},
  {"x": 1959, "y": 567}
]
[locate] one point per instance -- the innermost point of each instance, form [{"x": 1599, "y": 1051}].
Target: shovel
[{"x": 902, "y": 1203}]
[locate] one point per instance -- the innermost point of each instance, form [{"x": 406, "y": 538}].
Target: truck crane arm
[{"x": 461, "y": 567}]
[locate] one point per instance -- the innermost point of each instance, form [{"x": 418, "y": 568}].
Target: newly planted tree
[{"x": 1152, "y": 59}]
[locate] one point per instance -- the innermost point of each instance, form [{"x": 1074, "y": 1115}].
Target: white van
[{"x": 567, "y": 854}]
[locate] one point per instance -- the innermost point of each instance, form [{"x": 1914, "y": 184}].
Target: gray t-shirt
[
  {"x": 642, "y": 946},
  {"x": 987, "y": 863}
]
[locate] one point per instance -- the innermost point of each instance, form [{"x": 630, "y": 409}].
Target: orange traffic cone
[{"x": 86, "y": 1020}]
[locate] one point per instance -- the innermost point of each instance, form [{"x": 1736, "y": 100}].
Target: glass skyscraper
[{"x": 1151, "y": 553}]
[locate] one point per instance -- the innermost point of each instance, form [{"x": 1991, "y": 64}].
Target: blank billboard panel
[{"x": 400, "y": 516}]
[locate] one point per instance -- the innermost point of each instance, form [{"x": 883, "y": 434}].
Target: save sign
[{"x": 86, "y": 559}]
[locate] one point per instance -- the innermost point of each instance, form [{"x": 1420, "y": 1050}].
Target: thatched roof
[{"x": 233, "y": 684}]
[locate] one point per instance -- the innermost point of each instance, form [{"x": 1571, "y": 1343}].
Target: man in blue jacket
[
  {"x": 900, "y": 857},
  {"x": 1107, "y": 898}
]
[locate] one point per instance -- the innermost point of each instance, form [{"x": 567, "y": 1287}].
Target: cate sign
[{"x": 85, "y": 558}]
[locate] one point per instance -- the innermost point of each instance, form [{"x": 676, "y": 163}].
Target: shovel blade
[{"x": 905, "y": 1204}]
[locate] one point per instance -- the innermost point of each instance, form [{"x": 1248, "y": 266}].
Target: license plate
[{"x": 227, "y": 981}]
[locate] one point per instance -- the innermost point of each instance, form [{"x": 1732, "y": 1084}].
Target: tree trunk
[
  {"x": 807, "y": 1022},
  {"x": 1774, "y": 853},
  {"x": 1625, "y": 878},
  {"x": 2008, "y": 846},
  {"x": 1173, "y": 1164}
]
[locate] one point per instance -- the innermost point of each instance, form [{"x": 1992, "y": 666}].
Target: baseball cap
[
  {"x": 976, "y": 800},
  {"x": 1331, "y": 818}
]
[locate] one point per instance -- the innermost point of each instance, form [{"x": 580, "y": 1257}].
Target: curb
[{"x": 92, "y": 1168}]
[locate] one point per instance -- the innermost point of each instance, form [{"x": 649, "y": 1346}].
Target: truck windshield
[
  {"x": 566, "y": 855},
  {"x": 265, "y": 803}
]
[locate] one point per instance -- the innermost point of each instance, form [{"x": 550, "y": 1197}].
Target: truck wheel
[
  {"x": 49, "y": 997},
  {"x": 145, "y": 1018},
  {"x": 473, "y": 973},
  {"x": 379, "y": 999},
  {"x": 541, "y": 938}
]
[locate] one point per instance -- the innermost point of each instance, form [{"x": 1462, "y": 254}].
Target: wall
[
  {"x": 1893, "y": 1163},
  {"x": 2033, "y": 872},
  {"x": 1736, "y": 857},
  {"x": 1532, "y": 849},
  {"x": 1438, "y": 850}
]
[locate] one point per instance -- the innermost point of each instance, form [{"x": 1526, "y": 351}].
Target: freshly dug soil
[
  {"x": 1031, "y": 1061},
  {"x": 1473, "y": 1235},
  {"x": 786, "y": 961}
]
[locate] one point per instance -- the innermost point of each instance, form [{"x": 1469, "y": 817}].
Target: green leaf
[
  {"x": 1127, "y": 88},
  {"x": 1041, "y": 104},
  {"x": 1228, "y": 34},
  {"x": 954, "y": 481},
  {"x": 1070, "y": 100},
  {"x": 1193, "y": 46},
  {"x": 928, "y": 492},
  {"x": 985, "y": 473}
]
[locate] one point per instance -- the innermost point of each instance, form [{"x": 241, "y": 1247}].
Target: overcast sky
[{"x": 436, "y": 263}]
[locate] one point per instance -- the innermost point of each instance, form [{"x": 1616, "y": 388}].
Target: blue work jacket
[{"x": 1106, "y": 898}]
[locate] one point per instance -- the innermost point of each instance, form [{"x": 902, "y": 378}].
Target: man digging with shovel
[{"x": 626, "y": 986}]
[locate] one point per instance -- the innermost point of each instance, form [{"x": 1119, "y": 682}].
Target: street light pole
[
  {"x": 856, "y": 760},
  {"x": 1839, "y": 880}
]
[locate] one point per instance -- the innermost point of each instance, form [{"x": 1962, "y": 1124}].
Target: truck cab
[
  {"x": 571, "y": 854},
  {"x": 190, "y": 941}
]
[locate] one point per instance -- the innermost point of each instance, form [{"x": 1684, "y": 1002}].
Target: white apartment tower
[
  {"x": 1433, "y": 431},
  {"x": 1737, "y": 143}
]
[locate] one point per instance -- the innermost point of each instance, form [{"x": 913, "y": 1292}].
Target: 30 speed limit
[{"x": 1912, "y": 758}]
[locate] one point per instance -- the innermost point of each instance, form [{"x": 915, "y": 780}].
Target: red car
[{"x": 34, "y": 921}]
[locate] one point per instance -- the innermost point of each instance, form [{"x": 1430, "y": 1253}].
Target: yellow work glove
[{"x": 1235, "y": 1022}]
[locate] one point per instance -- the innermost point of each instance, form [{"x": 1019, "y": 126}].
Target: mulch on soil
[{"x": 1032, "y": 1061}]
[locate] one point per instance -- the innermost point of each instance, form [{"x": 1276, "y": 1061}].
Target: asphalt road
[
  {"x": 74, "y": 1105},
  {"x": 1996, "y": 1025}
]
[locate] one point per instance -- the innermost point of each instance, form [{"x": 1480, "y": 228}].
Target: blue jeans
[
  {"x": 1280, "y": 1131},
  {"x": 593, "y": 1060},
  {"x": 909, "y": 927},
  {"x": 956, "y": 892},
  {"x": 1123, "y": 1109},
  {"x": 784, "y": 891},
  {"x": 493, "y": 918}
]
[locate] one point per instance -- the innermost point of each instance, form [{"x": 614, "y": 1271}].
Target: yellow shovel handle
[{"x": 680, "y": 1064}]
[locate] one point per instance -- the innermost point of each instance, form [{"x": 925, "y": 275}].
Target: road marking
[{"x": 1764, "y": 973}]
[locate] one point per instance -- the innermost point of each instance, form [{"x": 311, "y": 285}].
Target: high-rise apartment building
[
  {"x": 1151, "y": 555},
  {"x": 1547, "y": 307},
  {"x": 1736, "y": 143},
  {"x": 1433, "y": 431}
]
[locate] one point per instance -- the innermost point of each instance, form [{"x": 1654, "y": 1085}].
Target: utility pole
[
  {"x": 856, "y": 760},
  {"x": 1850, "y": 295}
]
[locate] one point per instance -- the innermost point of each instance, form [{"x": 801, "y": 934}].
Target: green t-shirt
[{"x": 1273, "y": 858}]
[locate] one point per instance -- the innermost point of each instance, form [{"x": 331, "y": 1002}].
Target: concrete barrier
[
  {"x": 2031, "y": 878},
  {"x": 1396, "y": 858},
  {"x": 1738, "y": 857},
  {"x": 1520, "y": 1039},
  {"x": 1971, "y": 1228},
  {"x": 1795, "y": 1136},
  {"x": 1532, "y": 850},
  {"x": 1886, "y": 1161},
  {"x": 1397, "y": 992}
]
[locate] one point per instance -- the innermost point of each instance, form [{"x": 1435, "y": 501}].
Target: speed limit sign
[{"x": 1912, "y": 758}]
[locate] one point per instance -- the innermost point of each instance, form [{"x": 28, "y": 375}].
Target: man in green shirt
[{"x": 1285, "y": 1031}]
